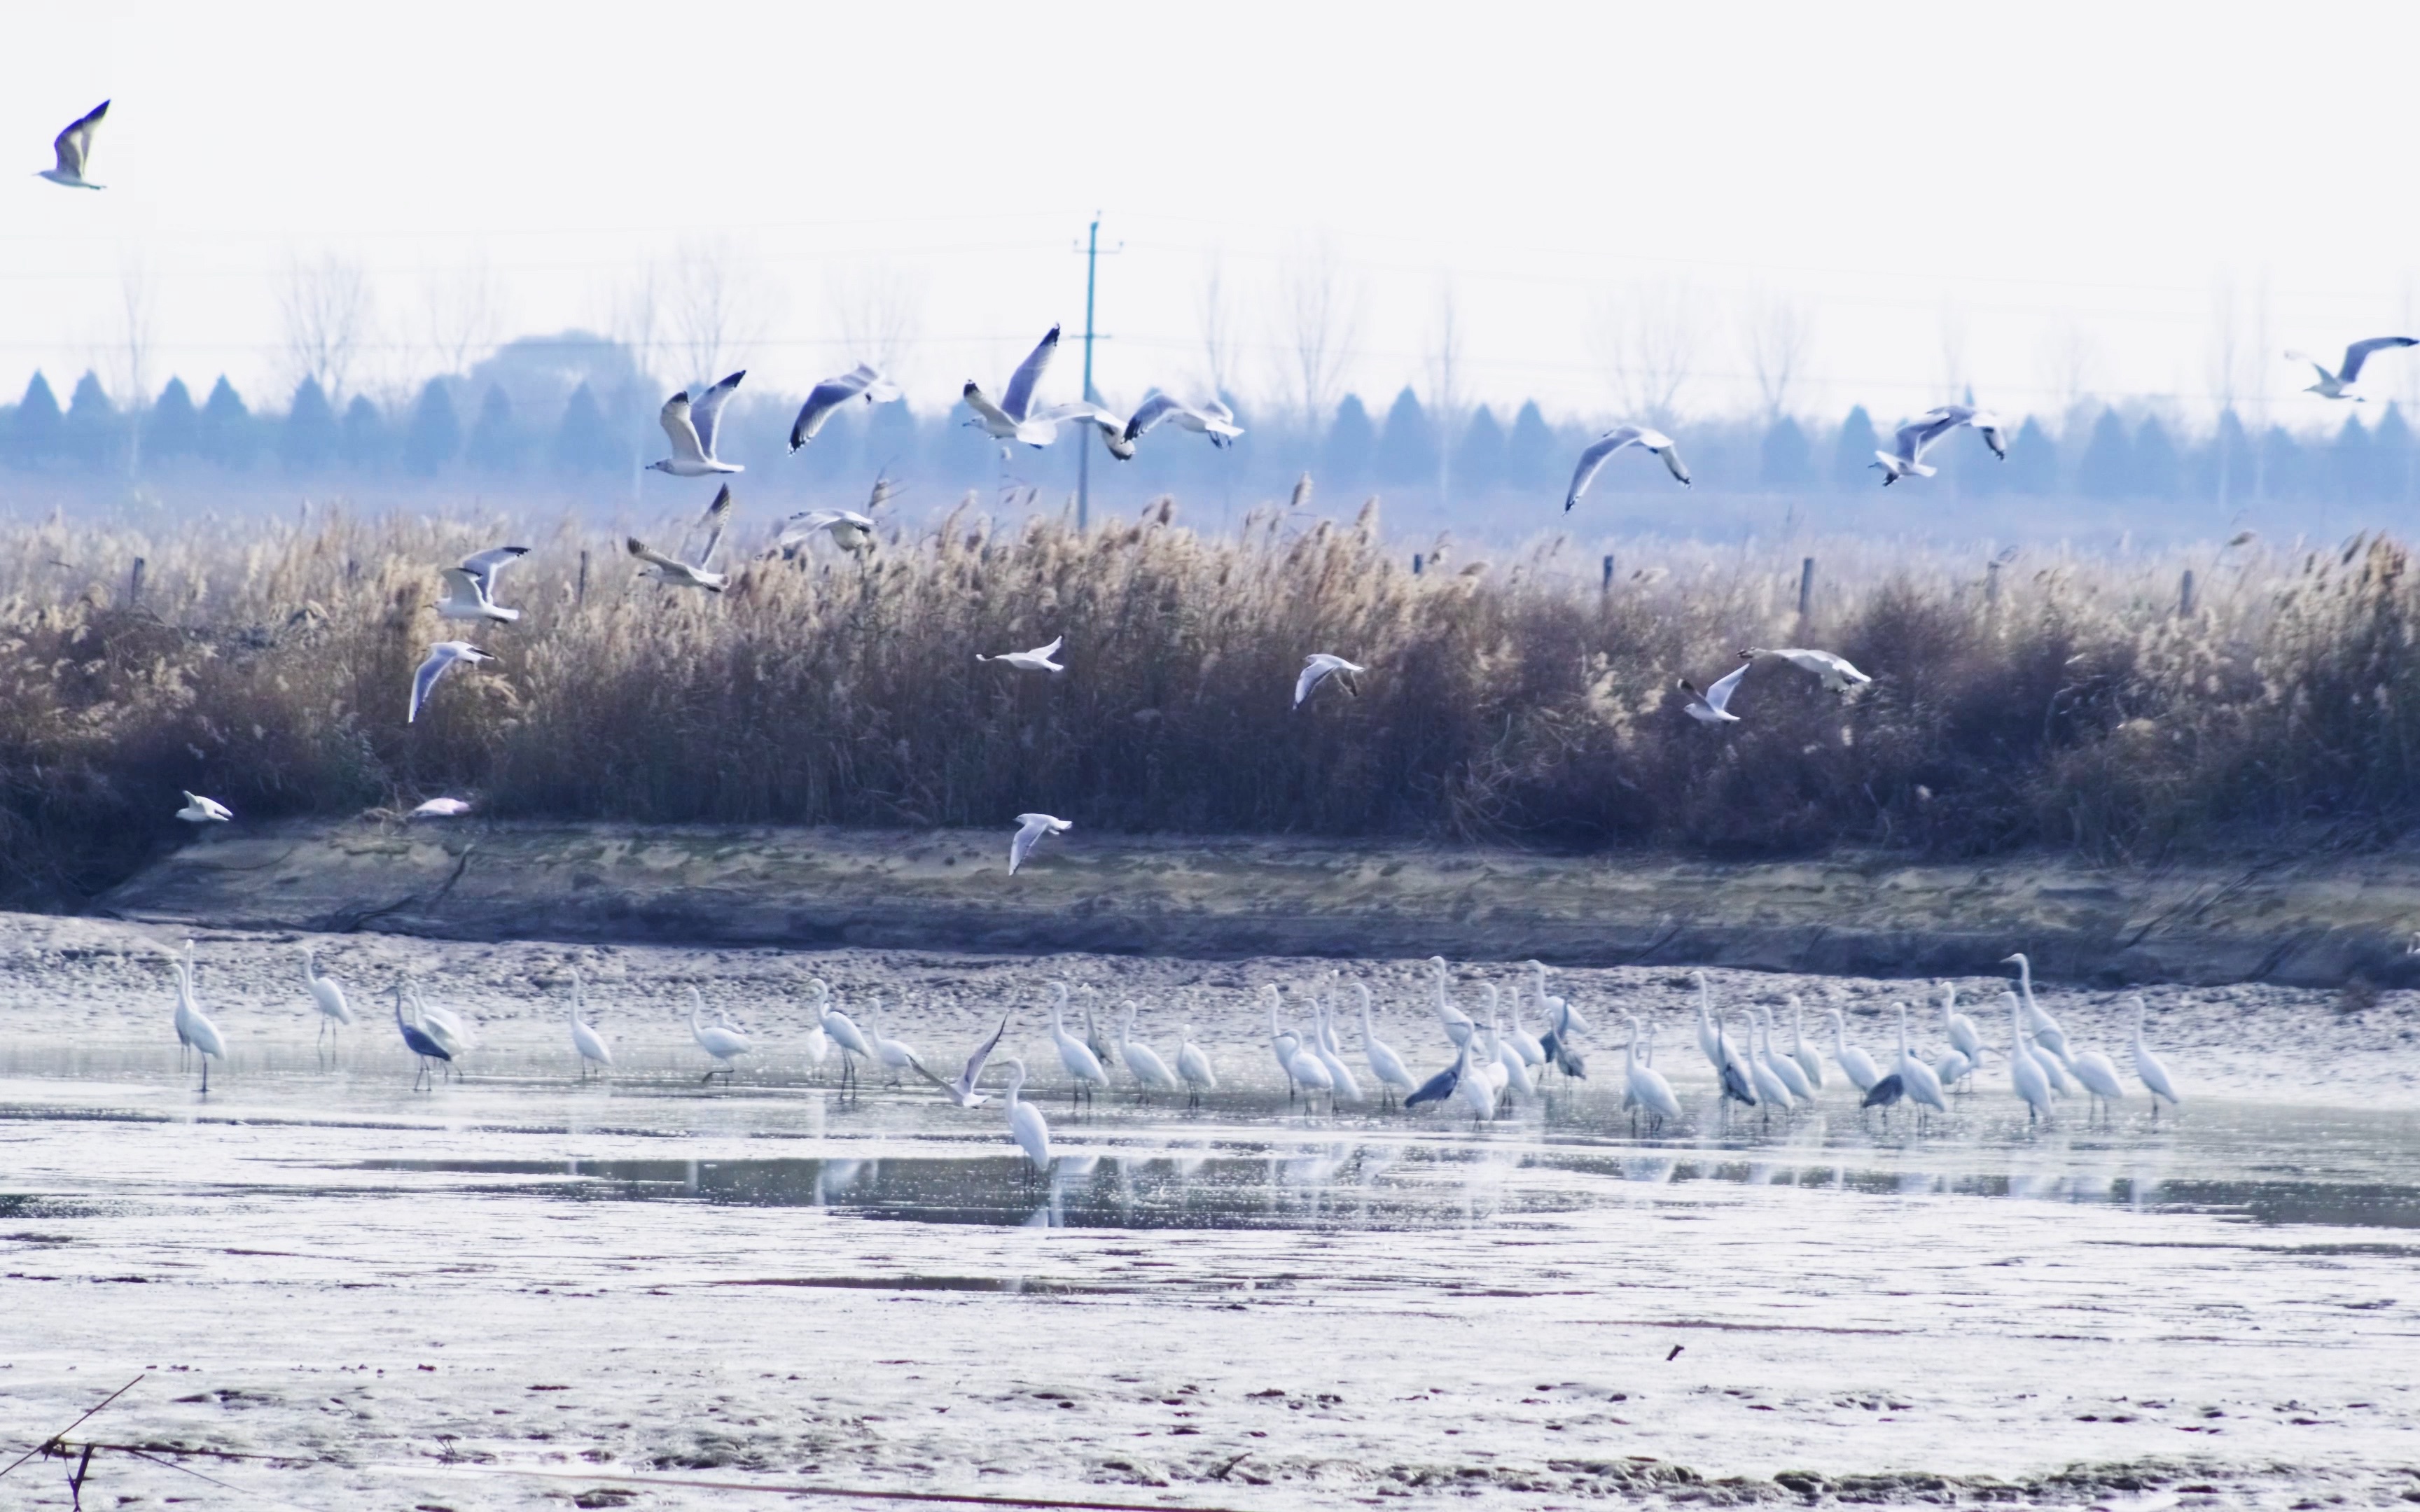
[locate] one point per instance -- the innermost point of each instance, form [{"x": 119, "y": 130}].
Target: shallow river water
[{"x": 520, "y": 1290}]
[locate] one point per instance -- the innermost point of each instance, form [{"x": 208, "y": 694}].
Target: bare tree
[
  {"x": 1446, "y": 399},
  {"x": 718, "y": 308},
  {"x": 878, "y": 308},
  {"x": 1778, "y": 334},
  {"x": 1647, "y": 339},
  {"x": 2225, "y": 378},
  {"x": 1219, "y": 337},
  {"x": 2069, "y": 359},
  {"x": 327, "y": 309},
  {"x": 1320, "y": 307},
  {"x": 465, "y": 312},
  {"x": 1957, "y": 379},
  {"x": 136, "y": 330}
]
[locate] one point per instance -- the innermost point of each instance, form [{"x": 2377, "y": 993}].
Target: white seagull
[
  {"x": 201, "y": 811},
  {"x": 1213, "y": 419},
  {"x": 1909, "y": 442},
  {"x": 1031, "y": 827},
  {"x": 471, "y": 587},
  {"x": 827, "y": 397},
  {"x": 850, "y": 531},
  {"x": 962, "y": 1091},
  {"x": 73, "y": 147},
  {"x": 692, "y": 426},
  {"x": 1076, "y": 411},
  {"x": 1838, "y": 674},
  {"x": 678, "y": 574},
  {"x": 1318, "y": 667},
  {"x": 2335, "y": 385},
  {"x": 441, "y": 658},
  {"x": 1013, "y": 418},
  {"x": 1614, "y": 440},
  {"x": 441, "y": 809},
  {"x": 1036, "y": 660},
  {"x": 1713, "y": 705}
]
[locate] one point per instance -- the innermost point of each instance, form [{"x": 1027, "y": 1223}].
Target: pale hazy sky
[{"x": 2029, "y": 199}]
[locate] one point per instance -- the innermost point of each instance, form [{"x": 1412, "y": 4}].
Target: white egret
[
  {"x": 2025, "y": 1078},
  {"x": 1026, "y": 1125},
  {"x": 1789, "y": 1071},
  {"x": 2040, "y": 1024},
  {"x": 1530, "y": 1049},
  {"x": 1709, "y": 1033},
  {"x": 456, "y": 1034},
  {"x": 1477, "y": 1085},
  {"x": 1952, "y": 1067},
  {"x": 1771, "y": 1090},
  {"x": 1097, "y": 1043},
  {"x": 844, "y": 1033},
  {"x": 2154, "y": 1076},
  {"x": 1142, "y": 1062},
  {"x": 1920, "y": 1083},
  {"x": 1305, "y": 1068},
  {"x": 1963, "y": 1035},
  {"x": 194, "y": 1027},
  {"x": 2099, "y": 1075},
  {"x": 1737, "y": 1076},
  {"x": 1341, "y": 1084},
  {"x": 1385, "y": 1064},
  {"x": 818, "y": 1043},
  {"x": 1458, "y": 1025},
  {"x": 1193, "y": 1064},
  {"x": 1645, "y": 1085},
  {"x": 962, "y": 1091},
  {"x": 1853, "y": 1062},
  {"x": 716, "y": 1040},
  {"x": 692, "y": 426},
  {"x": 1083, "y": 1066},
  {"x": 1800, "y": 1051},
  {"x": 1283, "y": 1043},
  {"x": 593, "y": 1049},
  {"x": 896, "y": 1053},
  {"x": 326, "y": 995}
]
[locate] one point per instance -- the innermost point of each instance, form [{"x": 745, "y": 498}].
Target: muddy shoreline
[{"x": 2307, "y": 923}]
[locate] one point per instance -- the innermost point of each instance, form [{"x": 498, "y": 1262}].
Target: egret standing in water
[
  {"x": 1853, "y": 1062},
  {"x": 1142, "y": 1062},
  {"x": 1083, "y": 1066},
  {"x": 1919, "y": 1081},
  {"x": 2153, "y": 1075},
  {"x": 1026, "y": 1125},
  {"x": 718, "y": 1040},
  {"x": 1647, "y": 1086},
  {"x": 2025, "y": 1078},
  {"x": 194, "y": 1027},
  {"x": 1193, "y": 1064},
  {"x": 1394, "y": 1075},
  {"x": 845, "y": 1034},
  {"x": 326, "y": 995},
  {"x": 593, "y": 1049}
]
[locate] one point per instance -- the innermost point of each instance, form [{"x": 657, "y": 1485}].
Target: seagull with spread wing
[
  {"x": 1036, "y": 660},
  {"x": 1213, "y": 419},
  {"x": 680, "y": 574},
  {"x": 852, "y": 532},
  {"x": 1712, "y": 706},
  {"x": 1031, "y": 827},
  {"x": 1318, "y": 667},
  {"x": 692, "y": 427},
  {"x": 2335, "y": 385},
  {"x": 962, "y": 1091},
  {"x": 1653, "y": 442},
  {"x": 1013, "y": 418},
  {"x": 1836, "y": 673},
  {"x": 73, "y": 150},
  {"x": 201, "y": 811},
  {"x": 471, "y": 587},
  {"x": 826, "y": 398},
  {"x": 442, "y": 658}
]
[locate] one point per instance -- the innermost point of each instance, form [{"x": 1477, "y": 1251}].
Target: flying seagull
[
  {"x": 1013, "y": 419},
  {"x": 1036, "y": 660},
  {"x": 1986, "y": 423},
  {"x": 1318, "y": 667},
  {"x": 471, "y": 587},
  {"x": 1212, "y": 419},
  {"x": 962, "y": 1091},
  {"x": 1712, "y": 706},
  {"x": 1030, "y": 829},
  {"x": 850, "y": 531},
  {"x": 665, "y": 569},
  {"x": 827, "y": 397},
  {"x": 1614, "y": 440},
  {"x": 1838, "y": 674},
  {"x": 2335, "y": 385},
  {"x": 74, "y": 148},
  {"x": 441, "y": 809},
  {"x": 1112, "y": 429},
  {"x": 1906, "y": 454},
  {"x": 201, "y": 811},
  {"x": 441, "y": 656},
  {"x": 692, "y": 426}
]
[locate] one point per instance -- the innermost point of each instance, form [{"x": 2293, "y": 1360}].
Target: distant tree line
[{"x": 576, "y": 409}]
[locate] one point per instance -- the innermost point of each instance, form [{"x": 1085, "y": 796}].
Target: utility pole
[{"x": 1084, "y": 447}]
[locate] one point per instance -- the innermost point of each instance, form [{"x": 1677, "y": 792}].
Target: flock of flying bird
[{"x": 1497, "y": 1065}]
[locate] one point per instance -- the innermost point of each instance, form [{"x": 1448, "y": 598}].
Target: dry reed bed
[{"x": 2071, "y": 705}]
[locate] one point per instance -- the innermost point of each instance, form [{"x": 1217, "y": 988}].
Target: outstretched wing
[
  {"x": 483, "y": 566},
  {"x": 440, "y": 657},
  {"x": 718, "y": 514},
  {"x": 1021, "y": 384},
  {"x": 674, "y": 418},
  {"x": 1718, "y": 693},
  {"x": 1437, "y": 1088},
  {"x": 1154, "y": 410},
  {"x": 982, "y": 405},
  {"x": 2359, "y": 352},
  {"x": 974, "y": 1072},
  {"x": 1593, "y": 458},
  {"x": 1314, "y": 671},
  {"x": 823, "y": 400},
  {"x": 74, "y": 145},
  {"x": 1028, "y": 834},
  {"x": 463, "y": 590},
  {"x": 708, "y": 411},
  {"x": 652, "y": 557}
]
